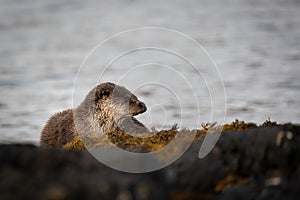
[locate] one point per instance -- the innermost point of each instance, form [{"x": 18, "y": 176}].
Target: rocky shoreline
[{"x": 257, "y": 163}]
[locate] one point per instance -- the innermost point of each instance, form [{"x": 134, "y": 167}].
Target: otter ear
[{"x": 103, "y": 94}]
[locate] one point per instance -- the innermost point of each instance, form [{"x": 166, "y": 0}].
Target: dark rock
[
  {"x": 238, "y": 192},
  {"x": 260, "y": 163}
]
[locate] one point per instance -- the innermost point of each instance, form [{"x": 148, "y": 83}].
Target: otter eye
[{"x": 133, "y": 99}]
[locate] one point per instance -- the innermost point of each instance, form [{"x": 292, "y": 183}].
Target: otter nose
[{"x": 142, "y": 106}]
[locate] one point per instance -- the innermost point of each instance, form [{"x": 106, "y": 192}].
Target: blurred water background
[{"x": 255, "y": 43}]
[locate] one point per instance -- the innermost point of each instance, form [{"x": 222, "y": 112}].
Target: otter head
[{"x": 117, "y": 101}]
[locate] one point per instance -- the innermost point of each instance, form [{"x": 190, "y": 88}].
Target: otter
[{"x": 106, "y": 108}]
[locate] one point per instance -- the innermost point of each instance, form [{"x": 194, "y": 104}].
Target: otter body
[{"x": 106, "y": 108}]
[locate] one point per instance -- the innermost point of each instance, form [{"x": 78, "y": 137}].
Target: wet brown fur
[{"x": 106, "y": 108}]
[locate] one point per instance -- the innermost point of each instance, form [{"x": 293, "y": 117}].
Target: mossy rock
[{"x": 156, "y": 140}]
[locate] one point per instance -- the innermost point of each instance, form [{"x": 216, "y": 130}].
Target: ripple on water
[{"x": 43, "y": 44}]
